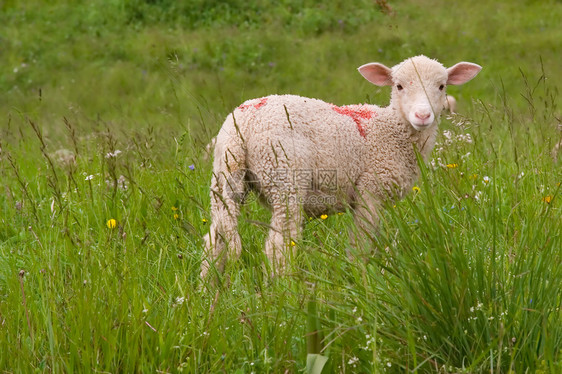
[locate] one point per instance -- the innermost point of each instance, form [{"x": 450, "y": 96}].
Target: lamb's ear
[
  {"x": 462, "y": 72},
  {"x": 376, "y": 73}
]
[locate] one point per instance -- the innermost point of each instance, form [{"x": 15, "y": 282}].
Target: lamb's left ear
[
  {"x": 376, "y": 73},
  {"x": 462, "y": 72}
]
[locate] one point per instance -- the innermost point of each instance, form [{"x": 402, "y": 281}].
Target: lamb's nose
[{"x": 423, "y": 116}]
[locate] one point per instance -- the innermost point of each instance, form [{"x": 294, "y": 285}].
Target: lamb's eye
[
  {"x": 399, "y": 86},
  {"x": 441, "y": 87}
]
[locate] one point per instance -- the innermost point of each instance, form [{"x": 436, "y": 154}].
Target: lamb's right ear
[{"x": 376, "y": 73}]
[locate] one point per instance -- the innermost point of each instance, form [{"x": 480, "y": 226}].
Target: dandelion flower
[
  {"x": 548, "y": 199},
  {"x": 111, "y": 223},
  {"x": 324, "y": 216},
  {"x": 452, "y": 166},
  {"x": 416, "y": 189}
]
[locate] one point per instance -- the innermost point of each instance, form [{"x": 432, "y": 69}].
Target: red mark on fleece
[
  {"x": 258, "y": 105},
  {"x": 357, "y": 113}
]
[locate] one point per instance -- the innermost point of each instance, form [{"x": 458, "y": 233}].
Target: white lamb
[{"x": 306, "y": 157}]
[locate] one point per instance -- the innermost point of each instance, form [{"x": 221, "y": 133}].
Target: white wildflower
[
  {"x": 466, "y": 138},
  {"x": 122, "y": 182},
  {"x": 353, "y": 361},
  {"x": 179, "y": 300},
  {"x": 113, "y": 154}
]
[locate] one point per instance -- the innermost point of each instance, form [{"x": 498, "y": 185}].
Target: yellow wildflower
[
  {"x": 324, "y": 216},
  {"x": 111, "y": 223},
  {"x": 340, "y": 213},
  {"x": 548, "y": 199},
  {"x": 416, "y": 189},
  {"x": 452, "y": 166},
  {"x": 293, "y": 243},
  {"x": 174, "y": 208},
  {"x": 176, "y": 216},
  {"x": 204, "y": 220}
]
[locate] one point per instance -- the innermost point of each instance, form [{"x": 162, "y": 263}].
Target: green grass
[{"x": 463, "y": 276}]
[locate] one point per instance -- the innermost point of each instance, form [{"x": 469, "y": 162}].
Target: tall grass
[
  {"x": 104, "y": 200},
  {"x": 464, "y": 274}
]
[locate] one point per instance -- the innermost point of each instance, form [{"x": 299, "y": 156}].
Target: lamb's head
[{"x": 419, "y": 86}]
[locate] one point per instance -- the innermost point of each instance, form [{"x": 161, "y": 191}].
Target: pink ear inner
[
  {"x": 462, "y": 72},
  {"x": 376, "y": 73}
]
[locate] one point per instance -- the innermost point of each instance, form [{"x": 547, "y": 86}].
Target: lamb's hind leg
[
  {"x": 223, "y": 240},
  {"x": 286, "y": 227}
]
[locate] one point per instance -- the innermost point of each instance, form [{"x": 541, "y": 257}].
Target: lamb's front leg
[
  {"x": 366, "y": 219},
  {"x": 285, "y": 230},
  {"x": 366, "y": 214}
]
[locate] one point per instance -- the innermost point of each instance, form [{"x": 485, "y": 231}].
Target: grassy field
[{"x": 106, "y": 107}]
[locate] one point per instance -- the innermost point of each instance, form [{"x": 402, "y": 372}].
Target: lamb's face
[{"x": 419, "y": 86}]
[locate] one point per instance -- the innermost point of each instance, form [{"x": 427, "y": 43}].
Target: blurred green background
[{"x": 168, "y": 64}]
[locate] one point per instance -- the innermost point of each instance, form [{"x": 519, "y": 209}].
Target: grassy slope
[{"x": 471, "y": 276}]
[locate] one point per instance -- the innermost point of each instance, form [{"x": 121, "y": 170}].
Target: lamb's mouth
[{"x": 421, "y": 126}]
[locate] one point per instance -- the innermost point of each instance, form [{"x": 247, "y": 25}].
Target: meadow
[{"x": 106, "y": 108}]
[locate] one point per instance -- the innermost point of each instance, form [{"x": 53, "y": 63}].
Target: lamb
[
  {"x": 450, "y": 104},
  {"x": 305, "y": 157}
]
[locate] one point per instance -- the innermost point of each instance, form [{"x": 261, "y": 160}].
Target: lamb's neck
[{"x": 423, "y": 140}]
